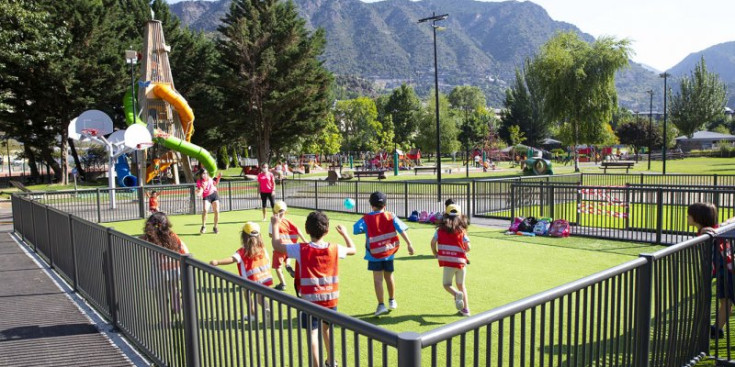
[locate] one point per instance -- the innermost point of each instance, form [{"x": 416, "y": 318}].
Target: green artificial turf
[{"x": 503, "y": 268}]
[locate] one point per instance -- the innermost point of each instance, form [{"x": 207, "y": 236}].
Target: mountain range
[{"x": 480, "y": 43}]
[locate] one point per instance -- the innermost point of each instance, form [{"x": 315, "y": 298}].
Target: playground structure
[
  {"x": 535, "y": 164},
  {"x": 167, "y": 114}
]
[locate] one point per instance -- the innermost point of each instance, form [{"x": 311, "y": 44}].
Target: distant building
[{"x": 703, "y": 140}]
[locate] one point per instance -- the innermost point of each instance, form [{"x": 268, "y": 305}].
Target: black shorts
[
  {"x": 386, "y": 266},
  {"x": 725, "y": 287},
  {"x": 314, "y": 320},
  {"x": 266, "y": 197},
  {"x": 212, "y": 197}
]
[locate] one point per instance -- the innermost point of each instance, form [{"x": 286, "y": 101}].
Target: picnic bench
[
  {"x": 427, "y": 168},
  {"x": 627, "y": 165},
  {"x": 379, "y": 174}
]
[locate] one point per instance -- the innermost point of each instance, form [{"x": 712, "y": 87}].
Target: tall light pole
[
  {"x": 435, "y": 18},
  {"x": 663, "y": 148},
  {"x": 650, "y": 128}
]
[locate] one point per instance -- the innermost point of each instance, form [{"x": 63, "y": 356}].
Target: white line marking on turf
[{"x": 115, "y": 339}]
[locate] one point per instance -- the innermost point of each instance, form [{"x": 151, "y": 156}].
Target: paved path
[{"x": 39, "y": 323}]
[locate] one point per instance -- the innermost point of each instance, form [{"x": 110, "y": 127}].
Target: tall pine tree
[{"x": 275, "y": 88}]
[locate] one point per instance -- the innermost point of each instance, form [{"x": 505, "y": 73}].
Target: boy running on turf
[
  {"x": 318, "y": 266},
  {"x": 382, "y": 229},
  {"x": 290, "y": 234}
]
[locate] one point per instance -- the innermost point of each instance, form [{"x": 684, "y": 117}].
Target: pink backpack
[
  {"x": 515, "y": 224},
  {"x": 560, "y": 228},
  {"x": 423, "y": 216}
]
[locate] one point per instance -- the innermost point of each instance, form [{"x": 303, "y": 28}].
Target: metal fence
[
  {"x": 642, "y": 213},
  {"x": 403, "y": 197},
  {"x": 652, "y": 311}
]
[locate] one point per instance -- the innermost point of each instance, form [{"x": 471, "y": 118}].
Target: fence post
[
  {"x": 316, "y": 195},
  {"x": 190, "y": 312},
  {"x": 512, "y": 202},
  {"x": 541, "y": 198},
  {"x": 474, "y": 198},
  {"x": 141, "y": 202},
  {"x": 715, "y": 180},
  {"x": 74, "y": 276},
  {"x": 33, "y": 228},
  {"x": 659, "y": 214},
  {"x": 409, "y": 349},
  {"x": 641, "y": 179},
  {"x": 229, "y": 194},
  {"x": 469, "y": 203},
  {"x": 405, "y": 198},
  {"x": 283, "y": 188},
  {"x": 643, "y": 292},
  {"x": 99, "y": 207},
  {"x": 109, "y": 271},
  {"x": 48, "y": 238},
  {"x": 552, "y": 213},
  {"x": 192, "y": 200},
  {"x": 357, "y": 201}
]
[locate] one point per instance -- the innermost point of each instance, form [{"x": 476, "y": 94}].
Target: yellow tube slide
[{"x": 186, "y": 115}]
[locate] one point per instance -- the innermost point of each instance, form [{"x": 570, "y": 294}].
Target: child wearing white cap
[{"x": 289, "y": 234}]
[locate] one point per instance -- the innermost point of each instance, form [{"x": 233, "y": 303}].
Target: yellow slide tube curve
[{"x": 186, "y": 115}]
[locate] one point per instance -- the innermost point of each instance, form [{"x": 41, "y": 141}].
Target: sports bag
[
  {"x": 559, "y": 228},
  {"x": 414, "y": 217},
  {"x": 423, "y": 216}
]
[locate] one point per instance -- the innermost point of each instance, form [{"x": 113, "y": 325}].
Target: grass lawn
[{"x": 503, "y": 269}]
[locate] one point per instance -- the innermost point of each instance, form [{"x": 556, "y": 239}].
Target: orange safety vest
[
  {"x": 451, "y": 249},
  {"x": 382, "y": 235},
  {"x": 288, "y": 232},
  {"x": 256, "y": 269},
  {"x": 319, "y": 275}
]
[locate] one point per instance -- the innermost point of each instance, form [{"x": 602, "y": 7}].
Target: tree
[
  {"x": 357, "y": 118},
  {"x": 426, "y": 139},
  {"x": 524, "y": 105},
  {"x": 701, "y": 99},
  {"x": 327, "y": 141},
  {"x": 402, "y": 107},
  {"x": 639, "y": 134},
  {"x": 577, "y": 81},
  {"x": 515, "y": 135},
  {"x": 274, "y": 86}
]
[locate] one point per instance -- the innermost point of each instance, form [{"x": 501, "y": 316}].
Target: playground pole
[
  {"x": 395, "y": 161},
  {"x": 663, "y": 148},
  {"x": 650, "y": 128},
  {"x": 434, "y": 18}
]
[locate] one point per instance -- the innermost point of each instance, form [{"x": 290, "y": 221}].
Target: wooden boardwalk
[{"x": 39, "y": 324}]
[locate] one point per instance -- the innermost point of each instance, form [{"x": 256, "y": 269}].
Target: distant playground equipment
[
  {"x": 536, "y": 164},
  {"x": 93, "y": 125},
  {"x": 166, "y": 113}
]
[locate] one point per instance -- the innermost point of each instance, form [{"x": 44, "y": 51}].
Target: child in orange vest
[
  {"x": 318, "y": 266},
  {"x": 450, "y": 246},
  {"x": 289, "y": 234},
  {"x": 252, "y": 260},
  {"x": 152, "y": 201},
  {"x": 382, "y": 229}
]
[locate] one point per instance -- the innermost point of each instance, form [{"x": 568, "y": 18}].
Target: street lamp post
[
  {"x": 650, "y": 128},
  {"x": 663, "y": 148},
  {"x": 433, "y": 19}
]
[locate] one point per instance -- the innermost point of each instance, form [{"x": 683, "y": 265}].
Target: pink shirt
[
  {"x": 207, "y": 187},
  {"x": 267, "y": 182}
]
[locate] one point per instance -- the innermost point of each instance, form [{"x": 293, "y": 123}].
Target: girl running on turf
[
  {"x": 252, "y": 260},
  {"x": 450, "y": 246},
  {"x": 207, "y": 189}
]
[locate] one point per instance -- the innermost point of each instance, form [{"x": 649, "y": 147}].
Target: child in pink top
[
  {"x": 266, "y": 182},
  {"x": 207, "y": 189}
]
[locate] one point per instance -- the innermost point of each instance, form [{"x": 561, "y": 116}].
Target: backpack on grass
[
  {"x": 515, "y": 224},
  {"x": 559, "y": 228},
  {"x": 527, "y": 225},
  {"x": 414, "y": 217},
  {"x": 423, "y": 216},
  {"x": 542, "y": 227}
]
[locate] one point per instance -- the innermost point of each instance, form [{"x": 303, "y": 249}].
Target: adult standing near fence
[
  {"x": 207, "y": 189},
  {"x": 266, "y": 184},
  {"x": 703, "y": 216}
]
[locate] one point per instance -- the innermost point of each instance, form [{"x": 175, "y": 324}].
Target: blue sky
[{"x": 663, "y": 32}]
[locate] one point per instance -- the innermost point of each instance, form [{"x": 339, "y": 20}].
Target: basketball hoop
[{"x": 90, "y": 132}]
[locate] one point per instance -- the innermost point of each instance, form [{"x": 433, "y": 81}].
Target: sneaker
[
  {"x": 215, "y": 230},
  {"x": 326, "y": 364},
  {"x": 280, "y": 287},
  {"x": 290, "y": 271},
  {"x": 381, "y": 310},
  {"x": 458, "y": 301},
  {"x": 464, "y": 312},
  {"x": 250, "y": 318},
  {"x": 392, "y": 304},
  {"x": 716, "y": 333},
  {"x": 203, "y": 230}
]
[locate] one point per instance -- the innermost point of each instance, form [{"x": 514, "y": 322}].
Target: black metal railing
[{"x": 655, "y": 310}]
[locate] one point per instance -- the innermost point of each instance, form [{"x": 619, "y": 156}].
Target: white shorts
[{"x": 450, "y": 272}]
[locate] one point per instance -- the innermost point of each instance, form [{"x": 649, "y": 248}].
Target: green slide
[
  {"x": 192, "y": 150},
  {"x": 130, "y": 116}
]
